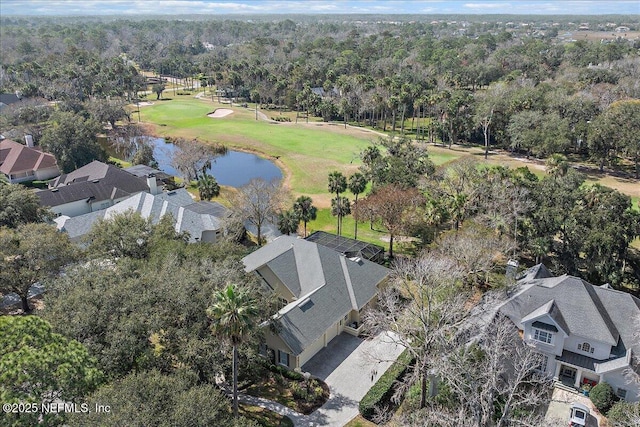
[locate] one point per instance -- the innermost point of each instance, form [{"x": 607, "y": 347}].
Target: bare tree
[
  {"x": 632, "y": 374},
  {"x": 259, "y": 202},
  {"x": 192, "y": 158},
  {"x": 477, "y": 251},
  {"x": 421, "y": 307},
  {"x": 493, "y": 380}
]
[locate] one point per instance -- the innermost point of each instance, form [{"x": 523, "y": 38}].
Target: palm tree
[
  {"x": 557, "y": 165},
  {"x": 340, "y": 206},
  {"x": 208, "y": 187},
  {"x": 357, "y": 185},
  {"x": 305, "y": 210},
  {"x": 337, "y": 184},
  {"x": 233, "y": 315},
  {"x": 288, "y": 222}
]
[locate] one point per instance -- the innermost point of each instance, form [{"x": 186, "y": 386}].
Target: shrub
[
  {"x": 382, "y": 390},
  {"x": 292, "y": 375},
  {"x": 299, "y": 391},
  {"x": 602, "y": 396},
  {"x": 624, "y": 414}
]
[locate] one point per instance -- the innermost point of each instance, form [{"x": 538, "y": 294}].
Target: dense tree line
[{"x": 486, "y": 83}]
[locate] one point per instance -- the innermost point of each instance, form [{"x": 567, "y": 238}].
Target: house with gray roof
[
  {"x": 203, "y": 221},
  {"x": 323, "y": 294},
  {"x": 93, "y": 187},
  {"x": 586, "y": 334}
]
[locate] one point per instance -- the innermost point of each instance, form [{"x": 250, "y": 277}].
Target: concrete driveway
[
  {"x": 559, "y": 407},
  {"x": 347, "y": 365}
]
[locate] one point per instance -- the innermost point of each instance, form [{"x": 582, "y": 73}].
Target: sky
[{"x": 227, "y": 7}]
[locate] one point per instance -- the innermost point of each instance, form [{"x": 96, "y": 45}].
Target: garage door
[
  {"x": 312, "y": 350},
  {"x": 332, "y": 332}
]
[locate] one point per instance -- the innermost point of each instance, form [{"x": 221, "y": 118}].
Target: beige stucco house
[{"x": 323, "y": 293}]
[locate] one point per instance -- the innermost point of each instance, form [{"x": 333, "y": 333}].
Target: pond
[{"x": 233, "y": 169}]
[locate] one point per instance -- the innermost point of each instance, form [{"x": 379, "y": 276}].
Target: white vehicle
[{"x": 579, "y": 415}]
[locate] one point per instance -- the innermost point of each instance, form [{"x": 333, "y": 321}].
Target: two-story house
[
  {"x": 323, "y": 294},
  {"x": 94, "y": 187},
  {"x": 586, "y": 333}
]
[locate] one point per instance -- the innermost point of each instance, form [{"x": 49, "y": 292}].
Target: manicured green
[
  {"x": 327, "y": 222},
  {"x": 383, "y": 388},
  {"x": 308, "y": 153}
]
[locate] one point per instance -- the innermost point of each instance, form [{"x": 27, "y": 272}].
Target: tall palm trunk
[
  {"x": 355, "y": 231},
  {"x": 235, "y": 381}
]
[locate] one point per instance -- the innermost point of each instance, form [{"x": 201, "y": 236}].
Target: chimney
[
  {"x": 152, "y": 183},
  {"x": 28, "y": 139}
]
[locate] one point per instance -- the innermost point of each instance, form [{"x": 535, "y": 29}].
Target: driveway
[
  {"x": 347, "y": 365},
  {"x": 559, "y": 407}
]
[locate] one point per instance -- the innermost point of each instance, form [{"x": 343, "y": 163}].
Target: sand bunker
[
  {"x": 145, "y": 103},
  {"x": 220, "y": 112}
]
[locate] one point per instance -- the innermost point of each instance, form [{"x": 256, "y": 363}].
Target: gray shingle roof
[
  {"x": 96, "y": 181},
  {"x": 587, "y": 311},
  {"x": 327, "y": 284},
  {"x": 194, "y": 218}
]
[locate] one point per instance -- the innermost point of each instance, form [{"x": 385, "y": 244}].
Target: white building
[{"x": 587, "y": 334}]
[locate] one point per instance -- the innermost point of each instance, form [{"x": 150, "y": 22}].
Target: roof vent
[
  {"x": 95, "y": 181},
  {"x": 53, "y": 190}
]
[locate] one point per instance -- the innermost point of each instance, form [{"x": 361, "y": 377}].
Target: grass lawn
[
  {"x": 280, "y": 388},
  {"x": 264, "y": 417},
  {"x": 121, "y": 163},
  {"x": 359, "y": 421},
  {"x": 308, "y": 153},
  {"x": 327, "y": 222}
]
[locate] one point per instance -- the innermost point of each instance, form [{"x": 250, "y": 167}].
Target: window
[
  {"x": 621, "y": 393},
  {"x": 283, "y": 358},
  {"x": 544, "y": 360},
  {"x": 542, "y": 336},
  {"x": 586, "y": 347}
]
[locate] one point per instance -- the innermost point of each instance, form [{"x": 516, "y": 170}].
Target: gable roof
[
  {"x": 189, "y": 216},
  {"x": 549, "y": 309},
  {"x": 16, "y": 157},
  {"x": 94, "y": 181},
  {"x": 585, "y": 310},
  {"x": 327, "y": 285}
]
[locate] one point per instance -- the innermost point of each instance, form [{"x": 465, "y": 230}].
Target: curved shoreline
[{"x": 150, "y": 129}]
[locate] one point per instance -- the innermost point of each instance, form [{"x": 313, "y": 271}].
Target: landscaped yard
[
  {"x": 265, "y": 417},
  {"x": 289, "y": 389}
]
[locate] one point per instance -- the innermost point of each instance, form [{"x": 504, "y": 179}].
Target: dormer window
[
  {"x": 586, "y": 347},
  {"x": 542, "y": 336}
]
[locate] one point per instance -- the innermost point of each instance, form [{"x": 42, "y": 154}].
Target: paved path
[
  {"x": 346, "y": 365},
  {"x": 559, "y": 407}
]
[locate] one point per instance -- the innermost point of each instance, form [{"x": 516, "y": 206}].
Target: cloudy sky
[{"x": 221, "y": 7}]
